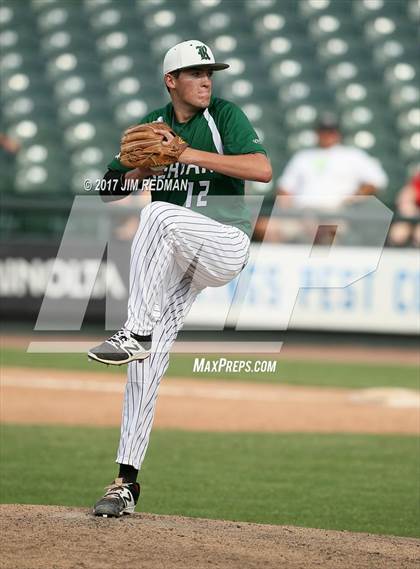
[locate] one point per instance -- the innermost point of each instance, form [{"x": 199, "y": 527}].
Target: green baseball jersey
[{"x": 221, "y": 128}]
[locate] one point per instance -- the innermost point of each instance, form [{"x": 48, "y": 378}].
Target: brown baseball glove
[{"x": 143, "y": 147}]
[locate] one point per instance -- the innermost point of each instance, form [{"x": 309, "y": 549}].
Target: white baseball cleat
[{"x": 121, "y": 348}]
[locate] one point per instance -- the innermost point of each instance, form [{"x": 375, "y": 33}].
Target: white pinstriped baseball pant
[{"x": 175, "y": 254}]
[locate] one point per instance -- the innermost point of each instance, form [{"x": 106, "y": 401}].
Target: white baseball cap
[{"x": 190, "y": 53}]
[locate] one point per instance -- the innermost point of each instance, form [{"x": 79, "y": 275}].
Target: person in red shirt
[{"x": 404, "y": 233}]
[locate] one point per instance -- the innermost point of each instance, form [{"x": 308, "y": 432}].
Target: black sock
[
  {"x": 128, "y": 472},
  {"x": 142, "y": 338}
]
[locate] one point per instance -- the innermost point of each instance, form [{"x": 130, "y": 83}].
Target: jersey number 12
[{"x": 201, "y": 196}]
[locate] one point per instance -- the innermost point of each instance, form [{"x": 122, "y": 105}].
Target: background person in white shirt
[{"x": 323, "y": 179}]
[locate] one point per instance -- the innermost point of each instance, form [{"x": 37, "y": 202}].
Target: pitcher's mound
[{"x": 46, "y": 537}]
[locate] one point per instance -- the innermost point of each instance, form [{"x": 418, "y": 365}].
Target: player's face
[
  {"x": 193, "y": 86},
  {"x": 327, "y": 138}
]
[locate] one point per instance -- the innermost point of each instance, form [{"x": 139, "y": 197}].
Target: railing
[{"x": 46, "y": 218}]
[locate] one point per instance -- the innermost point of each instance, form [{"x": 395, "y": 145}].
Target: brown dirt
[
  {"x": 41, "y": 537},
  {"x": 63, "y": 397}
]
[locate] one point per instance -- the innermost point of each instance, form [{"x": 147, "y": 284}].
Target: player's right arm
[
  {"x": 243, "y": 155},
  {"x": 118, "y": 186}
]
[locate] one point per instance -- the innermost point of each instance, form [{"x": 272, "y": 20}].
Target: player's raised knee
[{"x": 160, "y": 214}]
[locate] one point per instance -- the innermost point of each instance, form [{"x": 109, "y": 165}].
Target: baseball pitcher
[{"x": 194, "y": 155}]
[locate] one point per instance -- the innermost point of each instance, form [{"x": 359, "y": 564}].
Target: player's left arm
[{"x": 243, "y": 155}]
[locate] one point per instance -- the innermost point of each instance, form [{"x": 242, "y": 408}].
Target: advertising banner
[{"x": 353, "y": 289}]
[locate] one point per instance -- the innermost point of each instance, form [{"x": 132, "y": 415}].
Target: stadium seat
[
  {"x": 315, "y": 8},
  {"x": 58, "y": 41},
  {"x": 280, "y": 45},
  {"x": 335, "y": 49},
  {"x": 301, "y": 91},
  {"x": 274, "y": 23},
  {"x": 405, "y": 96},
  {"x": 304, "y": 138},
  {"x": 365, "y": 10},
  {"x": 410, "y": 146},
  {"x": 75, "y": 74},
  {"x": 413, "y": 11},
  {"x": 400, "y": 73}
]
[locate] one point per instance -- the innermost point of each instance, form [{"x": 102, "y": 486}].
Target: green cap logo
[{"x": 202, "y": 52}]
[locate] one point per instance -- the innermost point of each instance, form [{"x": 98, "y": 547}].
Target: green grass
[
  {"x": 290, "y": 372},
  {"x": 352, "y": 482},
  {"x": 323, "y": 374}
]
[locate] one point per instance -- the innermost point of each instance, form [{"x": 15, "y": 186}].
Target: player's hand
[
  {"x": 139, "y": 174},
  {"x": 150, "y": 145},
  {"x": 167, "y": 136}
]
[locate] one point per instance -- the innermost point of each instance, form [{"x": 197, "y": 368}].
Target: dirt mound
[{"x": 45, "y": 537}]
